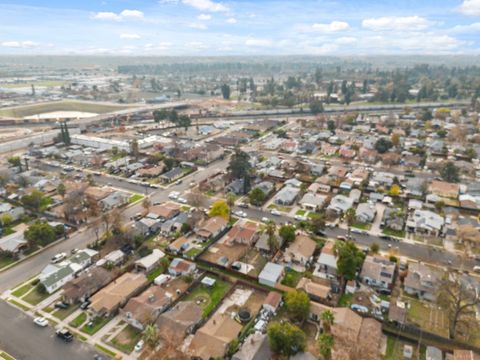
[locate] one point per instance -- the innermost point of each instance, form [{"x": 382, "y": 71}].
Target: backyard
[
  {"x": 209, "y": 297},
  {"x": 126, "y": 339},
  {"x": 291, "y": 278},
  {"x": 395, "y": 349},
  {"x": 427, "y": 316}
]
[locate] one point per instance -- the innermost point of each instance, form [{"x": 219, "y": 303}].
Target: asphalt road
[{"x": 24, "y": 340}]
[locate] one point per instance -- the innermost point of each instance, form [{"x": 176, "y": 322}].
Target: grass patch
[
  {"x": 345, "y": 300},
  {"x": 209, "y": 298},
  {"x": 105, "y": 350},
  {"x": 22, "y": 290},
  {"x": 5, "y": 356},
  {"x": 126, "y": 340},
  {"x": 291, "y": 278},
  {"x": 79, "y": 320},
  {"x": 17, "y": 304},
  {"x": 48, "y": 309},
  {"x": 428, "y": 317},
  {"x": 395, "y": 233},
  {"x": 96, "y": 325},
  {"x": 64, "y": 313},
  {"x": 300, "y": 212},
  {"x": 135, "y": 198},
  {"x": 35, "y": 297},
  {"x": 185, "y": 208},
  {"x": 193, "y": 252},
  {"x": 362, "y": 226},
  {"x": 6, "y": 260},
  {"x": 156, "y": 272}
]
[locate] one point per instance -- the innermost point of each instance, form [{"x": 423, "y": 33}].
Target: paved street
[{"x": 24, "y": 340}]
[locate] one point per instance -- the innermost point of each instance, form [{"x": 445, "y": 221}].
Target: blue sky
[{"x": 244, "y": 27}]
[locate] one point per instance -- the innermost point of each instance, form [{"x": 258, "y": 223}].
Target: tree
[
  {"x": 395, "y": 139},
  {"x": 240, "y": 168},
  {"x": 317, "y": 223},
  {"x": 146, "y": 203},
  {"x": 331, "y": 125},
  {"x": 439, "y": 205},
  {"x": 374, "y": 248},
  {"x": 225, "y": 91},
  {"x": 297, "y": 304},
  {"x": 160, "y": 114},
  {"x": 61, "y": 190},
  {"x": 449, "y": 172},
  {"x": 383, "y": 145},
  {"x": 184, "y": 121},
  {"x": 220, "y": 208},
  {"x": 470, "y": 153},
  {"x": 349, "y": 259},
  {"x": 271, "y": 231},
  {"x": 316, "y": 107},
  {"x": 325, "y": 345},
  {"x": 286, "y": 339},
  {"x": 150, "y": 335},
  {"x": 5, "y": 219},
  {"x": 350, "y": 218},
  {"x": 134, "y": 149},
  {"x": 287, "y": 233},
  {"x": 34, "y": 200},
  {"x": 394, "y": 190},
  {"x": 460, "y": 301},
  {"x": 15, "y": 161},
  {"x": 427, "y": 115},
  {"x": 40, "y": 233},
  {"x": 257, "y": 197},
  {"x": 196, "y": 198},
  {"x": 328, "y": 318}
]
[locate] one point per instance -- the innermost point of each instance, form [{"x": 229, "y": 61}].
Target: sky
[{"x": 242, "y": 27}]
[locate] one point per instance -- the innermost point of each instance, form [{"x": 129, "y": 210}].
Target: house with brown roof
[
  {"x": 211, "y": 228},
  {"x": 108, "y": 300},
  {"x": 444, "y": 189},
  {"x": 85, "y": 285},
  {"x": 146, "y": 307},
  {"x": 272, "y": 301},
  {"x": 152, "y": 171},
  {"x": 164, "y": 211},
  {"x": 174, "y": 324},
  {"x": 315, "y": 290},
  {"x": 300, "y": 251},
  {"x": 179, "y": 267},
  {"x": 244, "y": 233},
  {"x": 97, "y": 193}
]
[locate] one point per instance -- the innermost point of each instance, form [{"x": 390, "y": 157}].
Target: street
[{"x": 24, "y": 340}]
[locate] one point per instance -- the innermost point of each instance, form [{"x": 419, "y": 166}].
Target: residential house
[
  {"x": 378, "y": 272},
  {"x": 444, "y": 189},
  {"x": 96, "y": 193},
  {"x": 340, "y": 204},
  {"x": 113, "y": 258},
  {"x": 422, "y": 281},
  {"x": 393, "y": 219},
  {"x": 271, "y": 274},
  {"x": 151, "y": 172},
  {"x": 211, "y": 228},
  {"x": 300, "y": 251},
  {"x": 255, "y": 347},
  {"x": 326, "y": 266},
  {"x": 149, "y": 262},
  {"x": 426, "y": 222},
  {"x": 108, "y": 300},
  {"x": 315, "y": 290},
  {"x": 84, "y": 286},
  {"x": 163, "y": 212},
  {"x": 180, "y": 267},
  {"x": 174, "y": 324},
  {"x": 365, "y": 212},
  {"x": 286, "y": 196},
  {"x": 272, "y": 302},
  {"x": 147, "y": 225},
  {"x": 55, "y": 279},
  {"x": 142, "y": 309},
  {"x": 415, "y": 186},
  {"x": 13, "y": 243},
  {"x": 237, "y": 187},
  {"x": 242, "y": 233},
  {"x": 312, "y": 202},
  {"x": 172, "y": 175}
]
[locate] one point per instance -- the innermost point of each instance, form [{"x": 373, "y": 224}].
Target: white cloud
[
  {"x": 195, "y": 45},
  {"x": 206, "y": 5},
  {"x": 125, "y": 14},
  {"x": 345, "y": 40},
  {"x": 204, "y": 17},
  {"x": 475, "y": 27},
  {"x": 198, "y": 26},
  {"x": 130, "y": 36},
  {"x": 258, "y": 42},
  {"x": 232, "y": 20},
  {"x": 168, "y": 2},
  {"x": 325, "y": 49},
  {"x": 19, "y": 44},
  {"x": 334, "y": 26},
  {"x": 131, "y": 14},
  {"x": 470, "y": 7},
  {"x": 409, "y": 23}
]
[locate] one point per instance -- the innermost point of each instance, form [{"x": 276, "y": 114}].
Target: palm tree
[
  {"x": 230, "y": 202},
  {"x": 150, "y": 335},
  {"x": 146, "y": 203},
  {"x": 325, "y": 345},
  {"x": 271, "y": 231},
  {"x": 350, "y": 218},
  {"x": 327, "y": 317}
]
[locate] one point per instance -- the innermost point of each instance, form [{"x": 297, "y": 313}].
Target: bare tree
[
  {"x": 196, "y": 198},
  {"x": 459, "y": 300}
]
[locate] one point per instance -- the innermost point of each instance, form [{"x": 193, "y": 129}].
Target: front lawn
[
  {"x": 64, "y": 313},
  {"x": 35, "y": 296},
  {"x": 291, "y": 278},
  {"x": 300, "y": 212},
  {"x": 345, "y": 300},
  {"x": 395, "y": 233},
  {"x": 208, "y": 297},
  {"x": 135, "y": 198},
  {"x": 96, "y": 325},
  {"x": 22, "y": 290},
  {"x": 362, "y": 226},
  {"x": 79, "y": 320},
  {"x": 6, "y": 260},
  {"x": 126, "y": 340},
  {"x": 193, "y": 252}
]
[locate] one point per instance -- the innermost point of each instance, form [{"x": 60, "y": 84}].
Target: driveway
[{"x": 375, "y": 229}]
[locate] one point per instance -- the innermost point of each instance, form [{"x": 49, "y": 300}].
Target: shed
[{"x": 270, "y": 274}]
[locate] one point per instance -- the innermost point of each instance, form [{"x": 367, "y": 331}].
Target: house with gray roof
[
  {"x": 115, "y": 199},
  {"x": 287, "y": 195},
  {"x": 426, "y": 222},
  {"x": 340, "y": 203},
  {"x": 312, "y": 202},
  {"x": 365, "y": 212},
  {"x": 270, "y": 274},
  {"x": 13, "y": 243}
]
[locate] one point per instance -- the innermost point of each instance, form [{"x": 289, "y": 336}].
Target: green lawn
[
  {"x": 5, "y": 261},
  {"x": 156, "y": 272},
  {"x": 64, "y": 313},
  {"x": 362, "y": 226},
  {"x": 135, "y": 198},
  {"x": 126, "y": 340},
  {"x": 427, "y": 316},
  {"x": 79, "y": 320},
  {"x": 105, "y": 350},
  {"x": 17, "y": 304},
  {"x": 300, "y": 212},
  {"x": 395, "y": 233},
  {"x": 22, "y": 290},
  {"x": 5, "y": 356},
  {"x": 34, "y": 297},
  {"x": 395, "y": 347},
  {"x": 193, "y": 252},
  {"x": 291, "y": 278},
  {"x": 97, "y": 324},
  {"x": 209, "y": 297},
  {"x": 345, "y": 300}
]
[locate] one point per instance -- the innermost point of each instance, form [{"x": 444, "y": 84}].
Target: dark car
[
  {"x": 85, "y": 304},
  {"x": 65, "y": 335},
  {"x": 61, "y": 305},
  {"x": 385, "y": 237}
]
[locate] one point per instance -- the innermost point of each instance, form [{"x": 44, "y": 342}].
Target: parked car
[
  {"x": 300, "y": 217},
  {"x": 240, "y": 213},
  {"x": 58, "y": 257},
  {"x": 243, "y": 205},
  {"x": 64, "y": 334},
  {"x": 61, "y": 305},
  {"x": 178, "y": 182},
  {"x": 265, "y": 219},
  {"x": 476, "y": 269},
  {"x": 85, "y": 304},
  {"x": 275, "y": 212},
  {"x": 139, "y": 346},
  {"x": 40, "y": 321},
  {"x": 182, "y": 200}
]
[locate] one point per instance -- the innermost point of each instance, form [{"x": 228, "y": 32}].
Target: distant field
[
  {"x": 28, "y": 110},
  {"x": 46, "y": 83}
]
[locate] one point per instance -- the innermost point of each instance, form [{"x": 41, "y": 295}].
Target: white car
[
  {"x": 275, "y": 212},
  {"x": 182, "y": 200},
  {"x": 40, "y": 321},
  {"x": 139, "y": 346},
  {"x": 173, "y": 195},
  {"x": 265, "y": 219},
  {"x": 358, "y": 231},
  {"x": 300, "y": 217},
  {"x": 58, "y": 257},
  {"x": 240, "y": 214}
]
